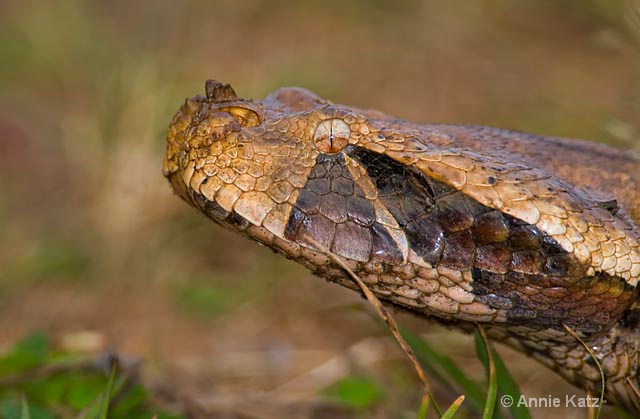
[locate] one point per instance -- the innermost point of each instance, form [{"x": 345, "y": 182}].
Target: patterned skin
[{"x": 465, "y": 224}]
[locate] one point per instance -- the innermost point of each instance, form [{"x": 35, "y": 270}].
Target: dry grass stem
[
  {"x": 382, "y": 312},
  {"x": 596, "y": 414},
  {"x": 633, "y": 387}
]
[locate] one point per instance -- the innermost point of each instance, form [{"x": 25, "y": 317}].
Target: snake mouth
[{"x": 227, "y": 219}]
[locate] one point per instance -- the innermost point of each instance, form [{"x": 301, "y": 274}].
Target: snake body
[{"x": 465, "y": 224}]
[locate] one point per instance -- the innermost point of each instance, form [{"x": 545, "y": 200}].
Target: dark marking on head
[
  {"x": 237, "y": 221},
  {"x": 333, "y": 210},
  {"x": 384, "y": 248},
  {"x": 411, "y": 198},
  {"x": 610, "y": 206},
  {"x": 448, "y": 228},
  {"x": 514, "y": 266},
  {"x": 211, "y": 209}
]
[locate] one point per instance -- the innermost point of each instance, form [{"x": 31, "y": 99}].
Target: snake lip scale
[{"x": 462, "y": 224}]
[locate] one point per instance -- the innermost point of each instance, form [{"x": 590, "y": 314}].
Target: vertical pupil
[
  {"x": 331, "y": 136},
  {"x": 329, "y": 142}
]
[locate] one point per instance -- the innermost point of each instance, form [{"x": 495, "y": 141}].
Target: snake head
[
  {"x": 280, "y": 171},
  {"x": 400, "y": 206}
]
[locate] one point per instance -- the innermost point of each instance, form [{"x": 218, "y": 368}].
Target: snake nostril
[
  {"x": 243, "y": 115},
  {"x": 223, "y": 98}
]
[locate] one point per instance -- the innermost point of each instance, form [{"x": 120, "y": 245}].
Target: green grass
[
  {"x": 475, "y": 399},
  {"x": 38, "y": 382},
  {"x": 356, "y": 391}
]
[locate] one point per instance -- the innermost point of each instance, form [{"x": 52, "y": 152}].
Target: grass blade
[
  {"x": 424, "y": 407},
  {"x": 103, "y": 410},
  {"x": 507, "y": 386},
  {"x": 451, "y": 411},
  {"x": 446, "y": 370},
  {"x": 484, "y": 347},
  {"x": 24, "y": 409},
  {"x": 99, "y": 408}
]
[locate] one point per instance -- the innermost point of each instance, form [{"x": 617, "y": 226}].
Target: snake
[{"x": 535, "y": 238}]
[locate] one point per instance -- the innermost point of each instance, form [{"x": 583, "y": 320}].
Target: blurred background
[{"x": 97, "y": 253}]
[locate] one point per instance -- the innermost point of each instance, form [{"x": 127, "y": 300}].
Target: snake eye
[
  {"x": 245, "y": 116},
  {"x": 332, "y": 135}
]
